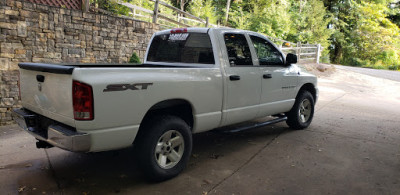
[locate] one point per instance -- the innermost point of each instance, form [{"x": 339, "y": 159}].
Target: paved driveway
[
  {"x": 352, "y": 147},
  {"x": 386, "y": 74}
]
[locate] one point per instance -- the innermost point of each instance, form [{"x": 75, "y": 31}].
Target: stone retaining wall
[{"x": 39, "y": 33}]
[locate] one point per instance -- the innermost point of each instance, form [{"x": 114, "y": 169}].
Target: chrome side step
[{"x": 257, "y": 125}]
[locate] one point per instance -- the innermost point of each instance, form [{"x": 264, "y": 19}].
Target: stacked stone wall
[{"x": 38, "y": 33}]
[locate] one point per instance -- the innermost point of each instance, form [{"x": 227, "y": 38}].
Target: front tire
[
  {"x": 302, "y": 112},
  {"x": 164, "y": 147}
]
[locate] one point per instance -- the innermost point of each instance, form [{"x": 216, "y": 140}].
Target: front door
[
  {"x": 242, "y": 81},
  {"x": 274, "y": 78}
]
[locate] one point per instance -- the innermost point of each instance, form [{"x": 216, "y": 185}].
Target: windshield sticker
[{"x": 178, "y": 37}]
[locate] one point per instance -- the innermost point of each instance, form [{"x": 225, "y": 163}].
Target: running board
[{"x": 257, "y": 125}]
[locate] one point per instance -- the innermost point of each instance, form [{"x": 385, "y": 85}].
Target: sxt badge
[{"x": 123, "y": 87}]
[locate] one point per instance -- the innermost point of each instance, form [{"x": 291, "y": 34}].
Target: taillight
[
  {"x": 82, "y": 98},
  {"x": 178, "y": 30}
]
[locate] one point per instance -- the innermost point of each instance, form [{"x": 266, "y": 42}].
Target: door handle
[
  {"x": 234, "y": 77},
  {"x": 267, "y": 76}
]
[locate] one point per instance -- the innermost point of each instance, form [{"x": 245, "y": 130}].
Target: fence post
[
  {"x": 298, "y": 50},
  {"x": 178, "y": 18},
  {"x": 132, "y": 12},
  {"x": 155, "y": 14},
  {"x": 318, "y": 53},
  {"x": 207, "y": 21},
  {"x": 85, "y": 5}
]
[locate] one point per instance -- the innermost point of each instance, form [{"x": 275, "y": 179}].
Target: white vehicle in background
[{"x": 192, "y": 80}]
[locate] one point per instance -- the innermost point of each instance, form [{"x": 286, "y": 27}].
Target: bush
[
  {"x": 389, "y": 59},
  {"x": 135, "y": 58},
  {"x": 356, "y": 62},
  {"x": 394, "y": 67},
  {"x": 325, "y": 59},
  {"x": 112, "y": 6}
]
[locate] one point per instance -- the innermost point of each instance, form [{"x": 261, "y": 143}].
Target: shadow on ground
[{"x": 117, "y": 171}]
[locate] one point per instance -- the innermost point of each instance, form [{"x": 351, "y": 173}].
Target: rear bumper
[{"x": 55, "y": 134}]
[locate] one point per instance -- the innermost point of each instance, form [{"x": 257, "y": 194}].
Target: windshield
[{"x": 181, "y": 47}]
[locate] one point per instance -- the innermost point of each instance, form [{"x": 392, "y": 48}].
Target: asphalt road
[
  {"x": 352, "y": 147},
  {"x": 386, "y": 74}
]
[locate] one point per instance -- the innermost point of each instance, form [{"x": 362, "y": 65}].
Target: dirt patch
[{"x": 319, "y": 70}]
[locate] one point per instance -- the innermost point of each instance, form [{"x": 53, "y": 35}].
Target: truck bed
[{"x": 69, "y": 67}]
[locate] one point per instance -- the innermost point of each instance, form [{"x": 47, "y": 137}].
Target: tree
[
  {"x": 353, "y": 32},
  {"x": 228, "y": 5},
  {"x": 203, "y": 9},
  {"x": 270, "y": 17},
  {"x": 309, "y": 22},
  {"x": 363, "y": 35},
  {"x": 394, "y": 13}
]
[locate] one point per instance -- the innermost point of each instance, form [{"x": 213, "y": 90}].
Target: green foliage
[
  {"x": 352, "y": 32},
  {"x": 111, "y": 6},
  {"x": 135, "y": 58},
  {"x": 203, "y": 9},
  {"x": 309, "y": 21},
  {"x": 270, "y": 17},
  {"x": 364, "y": 36}
]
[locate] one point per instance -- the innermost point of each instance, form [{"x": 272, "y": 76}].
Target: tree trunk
[
  {"x": 228, "y": 5},
  {"x": 337, "y": 55},
  {"x": 183, "y": 5}
]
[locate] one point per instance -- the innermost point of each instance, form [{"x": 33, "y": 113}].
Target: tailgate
[{"x": 47, "y": 90}]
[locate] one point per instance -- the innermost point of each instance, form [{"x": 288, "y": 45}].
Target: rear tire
[
  {"x": 164, "y": 146},
  {"x": 302, "y": 112}
]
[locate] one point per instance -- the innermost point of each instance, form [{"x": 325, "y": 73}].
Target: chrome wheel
[
  {"x": 305, "y": 110},
  {"x": 302, "y": 112},
  {"x": 169, "y": 149}
]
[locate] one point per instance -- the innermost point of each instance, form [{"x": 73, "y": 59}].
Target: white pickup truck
[{"x": 192, "y": 80}]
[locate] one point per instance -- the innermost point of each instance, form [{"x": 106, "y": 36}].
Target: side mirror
[{"x": 291, "y": 59}]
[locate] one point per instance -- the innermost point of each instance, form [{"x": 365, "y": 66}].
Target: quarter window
[
  {"x": 238, "y": 49},
  {"x": 266, "y": 53}
]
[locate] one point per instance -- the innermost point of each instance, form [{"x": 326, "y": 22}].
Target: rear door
[{"x": 242, "y": 80}]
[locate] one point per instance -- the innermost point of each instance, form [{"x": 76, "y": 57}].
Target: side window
[
  {"x": 267, "y": 54},
  {"x": 238, "y": 49}
]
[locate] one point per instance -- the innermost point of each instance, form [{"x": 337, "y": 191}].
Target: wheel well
[
  {"x": 310, "y": 88},
  {"x": 177, "y": 107}
]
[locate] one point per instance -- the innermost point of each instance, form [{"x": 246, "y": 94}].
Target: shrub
[
  {"x": 356, "y": 62},
  {"x": 325, "y": 59},
  {"x": 389, "y": 59},
  {"x": 134, "y": 58},
  {"x": 394, "y": 67}
]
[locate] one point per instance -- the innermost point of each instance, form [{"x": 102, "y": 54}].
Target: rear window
[{"x": 181, "y": 47}]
